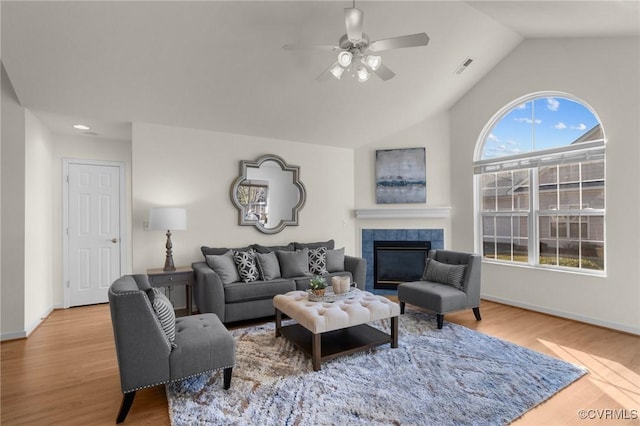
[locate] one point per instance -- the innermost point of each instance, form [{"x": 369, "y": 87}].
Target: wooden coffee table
[{"x": 329, "y": 330}]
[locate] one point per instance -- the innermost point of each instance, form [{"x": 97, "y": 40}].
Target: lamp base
[{"x": 168, "y": 262}]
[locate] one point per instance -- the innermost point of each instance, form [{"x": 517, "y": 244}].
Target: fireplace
[{"x": 395, "y": 262}]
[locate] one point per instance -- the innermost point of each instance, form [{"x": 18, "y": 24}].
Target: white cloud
[
  {"x": 580, "y": 126},
  {"x": 560, "y": 126},
  {"x": 512, "y": 142},
  {"x": 553, "y": 104},
  {"x": 493, "y": 137},
  {"x": 527, "y": 120},
  {"x": 522, "y": 106}
]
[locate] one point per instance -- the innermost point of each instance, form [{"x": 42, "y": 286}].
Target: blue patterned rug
[{"x": 453, "y": 376}]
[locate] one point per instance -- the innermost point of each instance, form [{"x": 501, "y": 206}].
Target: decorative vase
[
  {"x": 318, "y": 291},
  {"x": 340, "y": 284}
]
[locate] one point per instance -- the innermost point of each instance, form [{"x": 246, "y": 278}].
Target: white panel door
[{"x": 94, "y": 232}]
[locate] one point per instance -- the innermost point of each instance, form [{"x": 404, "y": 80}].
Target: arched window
[{"x": 540, "y": 185}]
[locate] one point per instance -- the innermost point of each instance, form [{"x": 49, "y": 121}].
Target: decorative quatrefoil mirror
[{"x": 268, "y": 194}]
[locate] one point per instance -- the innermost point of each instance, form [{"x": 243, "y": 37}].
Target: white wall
[
  {"x": 433, "y": 135},
  {"x": 605, "y": 74},
  {"x": 38, "y": 291},
  {"x": 13, "y": 215},
  {"x": 86, "y": 148},
  {"x": 196, "y": 168}
]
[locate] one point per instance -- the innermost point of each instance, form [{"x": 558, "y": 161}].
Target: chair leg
[
  {"x": 127, "y": 400},
  {"x": 227, "y": 377},
  {"x": 476, "y": 312},
  {"x": 440, "y": 319},
  {"x": 402, "y": 307}
]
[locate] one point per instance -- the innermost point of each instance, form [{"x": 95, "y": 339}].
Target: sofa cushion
[
  {"x": 268, "y": 266},
  {"x": 444, "y": 273},
  {"x": 163, "y": 308},
  {"x": 267, "y": 249},
  {"x": 335, "y": 260},
  {"x": 293, "y": 263},
  {"x": 246, "y": 264},
  {"x": 207, "y": 251},
  {"x": 318, "y": 261},
  {"x": 433, "y": 296},
  {"x": 256, "y": 290},
  {"x": 328, "y": 244},
  {"x": 224, "y": 266}
]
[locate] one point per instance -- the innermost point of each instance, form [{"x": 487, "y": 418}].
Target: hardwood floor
[{"x": 67, "y": 373}]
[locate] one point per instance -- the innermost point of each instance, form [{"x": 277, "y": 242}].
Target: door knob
[{"x": 113, "y": 240}]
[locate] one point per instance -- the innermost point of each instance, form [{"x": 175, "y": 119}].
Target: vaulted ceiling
[{"x": 220, "y": 65}]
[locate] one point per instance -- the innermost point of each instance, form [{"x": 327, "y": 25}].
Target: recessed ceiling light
[{"x": 81, "y": 127}]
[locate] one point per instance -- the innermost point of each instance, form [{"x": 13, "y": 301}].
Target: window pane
[
  {"x": 503, "y": 226},
  {"x": 593, "y": 195},
  {"x": 489, "y": 248},
  {"x": 548, "y": 252},
  {"x": 489, "y": 199},
  {"x": 548, "y": 197},
  {"x": 503, "y": 247},
  {"x": 569, "y": 253},
  {"x": 544, "y": 227},
  {"x": 521, "y": 190},
  {"x": 569, "y": 173},
  {"x": 569, "y": 196},
  {"x": 593, "y": 256},
  {"x": 596, "y": 228},
  {"x": 489, "y": 180},
  {"x": 504, "y": 199},
  {"x": 520, "y": 226},
  {"x": 488, "y": 226},
  {"x": 521, "y": 250},
  {"x": 593, "y": 170},
  {"x": 548, "y": 175}
]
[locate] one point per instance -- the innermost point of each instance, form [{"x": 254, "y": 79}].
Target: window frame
[{"x": 531, "y": 163}]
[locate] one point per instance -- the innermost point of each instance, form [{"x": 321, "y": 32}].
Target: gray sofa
[{"x": 239, "y": 300}]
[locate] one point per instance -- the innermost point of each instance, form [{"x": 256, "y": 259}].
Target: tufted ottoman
[{"x": 328, "y": 330}]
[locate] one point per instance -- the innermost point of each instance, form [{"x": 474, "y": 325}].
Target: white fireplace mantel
[{"x": 421, "y": 213}]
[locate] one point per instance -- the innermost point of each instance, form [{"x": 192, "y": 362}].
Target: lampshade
[
  {"x": 337, "y": 71},
  {"x": 344, "y": 58},
  {"x": 373, "y": 61},
  {"x": 168, "y": 219},
  {"x": 363, "y": 74}
]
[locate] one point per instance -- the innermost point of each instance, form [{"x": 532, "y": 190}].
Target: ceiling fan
[{"x": 358, "y": 53}]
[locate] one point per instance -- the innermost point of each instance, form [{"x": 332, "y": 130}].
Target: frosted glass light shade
[
  {"x": 373, "y": 61},
  {"x": 344, "y": 58},
  {"x": 337, "y": 71},
  {"x": 168, "y": 219},
  {"x": 363, "y": 74}
]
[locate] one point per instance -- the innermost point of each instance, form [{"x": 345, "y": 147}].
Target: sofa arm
[
  {"x": 358, "y": 268},
  {"x": 208, "y": 290}
]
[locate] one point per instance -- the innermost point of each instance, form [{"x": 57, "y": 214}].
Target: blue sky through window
[{"x": 539, "y": 124}]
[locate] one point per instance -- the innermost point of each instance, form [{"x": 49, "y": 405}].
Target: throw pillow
[
  {"x": 335, "y": 260},
  {"x": 216, "y": 251},
  {"x": 318, "y": 261},
  {"x": 444, "y": 273},
  {"x": 246, "y": 264},
  {"x": 266, "y": 249},
  {"x": 294, "y": 263},
  {"x": 164, "y": 311},
  {"x": 225, "y": 266},
  {"x": 268, "y": 265}
]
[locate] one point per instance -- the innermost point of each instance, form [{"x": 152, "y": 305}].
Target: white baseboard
[
  {"x": 12, "y": 335},
  {"x": 562, "y": 314}
]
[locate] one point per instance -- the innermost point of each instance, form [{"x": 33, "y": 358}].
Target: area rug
[{"x": 453, "y": 376}]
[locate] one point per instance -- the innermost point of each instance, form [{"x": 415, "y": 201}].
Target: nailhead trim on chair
[{"x": 175, "y": 380}]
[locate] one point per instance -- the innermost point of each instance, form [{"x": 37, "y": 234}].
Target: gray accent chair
[
  {"x": 147, "y": 358},
  {"x": 443, "y": 298}
]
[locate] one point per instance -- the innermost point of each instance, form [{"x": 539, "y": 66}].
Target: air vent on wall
[{"x": 463, "y": 66}]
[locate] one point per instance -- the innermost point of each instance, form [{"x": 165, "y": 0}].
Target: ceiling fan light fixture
[
  {"x": 345, "y": 58},
  {"x": 363, "y": 74},
  {"x": 373, "y": 61},
  {"x": 337, "y": 71}
]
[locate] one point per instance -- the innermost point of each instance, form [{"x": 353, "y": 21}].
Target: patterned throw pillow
[
  {"x": 164, "y": 311},
  {"x": 246, "y": 264},
  {"x": 444, "y": 273},
  {"x": 318, "y": 261}
]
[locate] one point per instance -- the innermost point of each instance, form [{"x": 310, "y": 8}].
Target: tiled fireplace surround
[{"x": 436, "y": 236}]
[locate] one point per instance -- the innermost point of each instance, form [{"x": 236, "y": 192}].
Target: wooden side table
[{"x": 183, "y": 275}]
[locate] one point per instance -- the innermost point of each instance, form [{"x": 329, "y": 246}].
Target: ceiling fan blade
[
  {"x": 413, "y": 40},
  {"x": 295, "y": 46},
  {"x": 324, "y": 75},
  {"x": 384, "y": 72},
  {"x": 354, "y": 19}
]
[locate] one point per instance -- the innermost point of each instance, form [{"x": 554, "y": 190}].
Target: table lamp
[{"x": 168, "y": 219}]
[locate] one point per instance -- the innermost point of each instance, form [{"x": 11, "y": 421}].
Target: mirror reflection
[{"x": 268, "y": 194}]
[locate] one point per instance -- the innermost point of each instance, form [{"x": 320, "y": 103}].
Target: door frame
[{"x": 66, "y": 162}]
